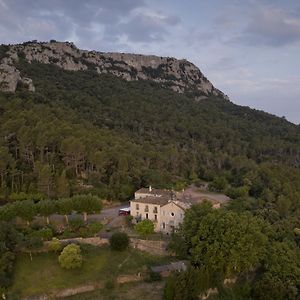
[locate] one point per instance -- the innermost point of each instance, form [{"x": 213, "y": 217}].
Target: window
[
  {"x": 155, "y": 209},
  {"x": 147, "y": 216},
  {"x": 164, "y": 225},
  {"x": 146, "y": 208},
  {"x": 172, "y": 214},
  {"x": 137, "y": 207},
  {"x": 155, "y": 217}
]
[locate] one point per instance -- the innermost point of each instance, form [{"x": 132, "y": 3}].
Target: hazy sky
[{"x": 250, "y": 49}]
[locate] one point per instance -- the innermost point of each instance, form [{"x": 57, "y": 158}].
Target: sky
[{"x": 249, "y": 49}]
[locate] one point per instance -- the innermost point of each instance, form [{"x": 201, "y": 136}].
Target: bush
[
  {"x": 70, "y": 257},
  {"x": 46, "y": 234},
  {"x": 128, "y": 220},
  {"x": 67, "y": 234},
  {"x": 119, "y": 241},
  {"x": 153, "y": 276},
  {"x": 94, "y": 228},
  {"x": 54, "y": 245},
  {"x": 109, "y": 285},
  {"x": 76, "y": 224},
  {"x": 144, "y": 228}
]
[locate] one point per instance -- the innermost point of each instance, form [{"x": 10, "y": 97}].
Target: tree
[
  {"x": 283, "y": 205},
  {"x": 5, "y": 161},
  {"x": 144, "y": 227},
  {"x": 7, "y": 212},
  {"x": 191, "y": 223},
  {"x": 70, "y": 257},
  {"x": 65, "y": 207},
  {"x": 271, "y": 287},
  {"x": 32, "y": 243},
  {"x": 26, "y": 210},
  {"x": 63, "y": 187},
  {"x": 46, "y": 208},
  {"x": 282, "y": 272},
  {"x": 219, "y": 184},
  {"x": 119, "y": 241},
  {"x": 227, "y": 242},
  {"x": 44, "y": 179},
  {"x": 86, "y": 204},
  {"x": 74, "y": 153},
  {"x": 183, "y": 285}
]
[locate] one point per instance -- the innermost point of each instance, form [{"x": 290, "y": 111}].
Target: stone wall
[{"x": 152, "y": 247}]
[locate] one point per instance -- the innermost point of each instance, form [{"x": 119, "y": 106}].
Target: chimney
[{"x": 150, "y": 188}]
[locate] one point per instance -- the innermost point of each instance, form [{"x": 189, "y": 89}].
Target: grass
[
  {"x": 131, "y": 291},
  {"x": 44, "y": 274}
]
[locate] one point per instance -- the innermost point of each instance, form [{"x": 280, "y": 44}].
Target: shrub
[
  {"x": 144, "y": 227},
  {"x": 153, "y": 276},
  {"x": 119, "y": 241},
  {"x": 94, "y": 228},
  {"x": 54, "y": 245},
  {"x": 76, "y": 224},
  {"x": 128, "y": 220},
  {"x": 70, "y": 257},
  {"x": 46, "y": 234},
  {"x": 83, "y": 232},
  {"x": 67, "y": 233},
  {"x": 109, "y": 285}
]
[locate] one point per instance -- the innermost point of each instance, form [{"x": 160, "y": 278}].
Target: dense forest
[{"x": 85, "y": 133}]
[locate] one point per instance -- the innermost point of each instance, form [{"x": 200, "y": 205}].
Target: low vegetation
[
  {"x": 144, "y": 228},
  {"x": 241, "y": 246},
  {"x": 44, "y": 274},
  {"x": 70, "y": 257},
  {"x": 119, "y": 241}
]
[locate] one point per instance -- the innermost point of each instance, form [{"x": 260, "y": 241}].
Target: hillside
[
  {"x": 108, "y": 124},
  {"x": 81, "y": 131}
]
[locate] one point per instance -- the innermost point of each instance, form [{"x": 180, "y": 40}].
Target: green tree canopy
[
  {"x": 228, "y": 242},
  {"x": 144, "y": 227}
]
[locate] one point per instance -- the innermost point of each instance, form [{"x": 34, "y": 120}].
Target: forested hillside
[{"x": 81, "y": 131}]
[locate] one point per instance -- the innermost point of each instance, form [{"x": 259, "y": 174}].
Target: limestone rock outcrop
[{"x": 179, "y": 75}]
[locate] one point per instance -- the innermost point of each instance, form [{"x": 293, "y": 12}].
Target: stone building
[{"x": 164, "y": 208}]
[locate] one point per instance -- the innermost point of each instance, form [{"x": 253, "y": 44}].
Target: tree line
[{"x": 28, "y": 209}]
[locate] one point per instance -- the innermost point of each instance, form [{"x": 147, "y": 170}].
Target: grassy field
[
  {"x": 44, "y": 274},
  {"x": 132, "y": 291}
]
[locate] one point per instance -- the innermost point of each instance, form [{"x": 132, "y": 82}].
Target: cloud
[
  {"x": 146, "y": 26},
  {"x": 271, "y": 26},
  {"x": 116, "y": 21}
]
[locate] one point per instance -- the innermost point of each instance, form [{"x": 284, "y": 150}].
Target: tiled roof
[
  {"x": 153, "y": 191},
  {"x": 152, "y": 200},
  {"x": 179, "y": 204}
]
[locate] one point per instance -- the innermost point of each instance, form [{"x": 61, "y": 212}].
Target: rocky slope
[{"x": 179, "y": 75}]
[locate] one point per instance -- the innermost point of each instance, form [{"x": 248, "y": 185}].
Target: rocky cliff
[{"x": 179, "y": 75}]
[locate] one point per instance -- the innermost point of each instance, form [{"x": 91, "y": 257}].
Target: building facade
[{"x": 164, "y": 208}]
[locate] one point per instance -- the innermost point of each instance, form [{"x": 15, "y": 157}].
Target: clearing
[{"x": 44, "y": 275}]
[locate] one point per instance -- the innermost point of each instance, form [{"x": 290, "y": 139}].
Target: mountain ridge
[{"x": 178, "y": 74}]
